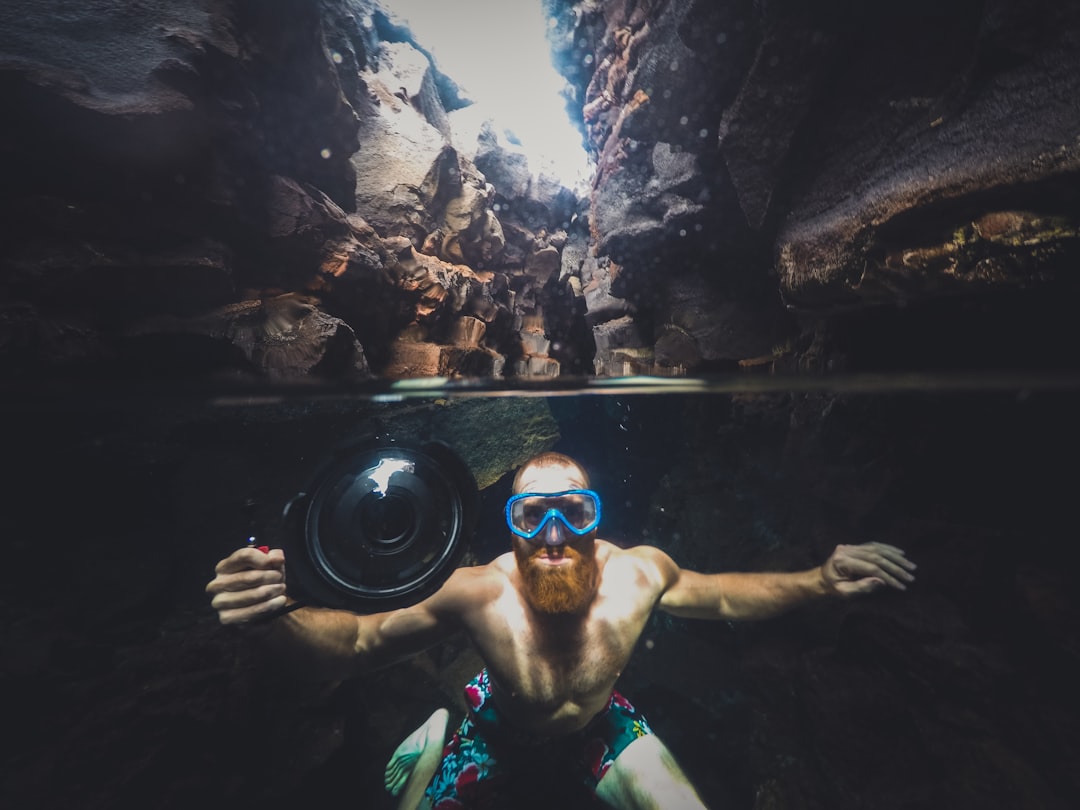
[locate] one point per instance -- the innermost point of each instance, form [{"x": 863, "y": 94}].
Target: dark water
[{"x": 120, "y": 689}]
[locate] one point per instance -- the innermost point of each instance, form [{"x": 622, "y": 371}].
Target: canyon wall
[{"x": 286, "y": 190}]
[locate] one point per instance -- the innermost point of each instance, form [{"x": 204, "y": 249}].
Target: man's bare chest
[{"x": 551, "y": 661}]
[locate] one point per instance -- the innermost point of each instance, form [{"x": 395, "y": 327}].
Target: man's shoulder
[
  {"x": 645, "y": 560},
  {"x": 475, "y": 582}
]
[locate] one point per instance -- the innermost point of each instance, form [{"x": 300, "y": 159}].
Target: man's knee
[{"x": 646, "y": 775}]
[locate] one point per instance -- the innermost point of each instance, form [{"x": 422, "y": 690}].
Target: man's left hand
[{"x": 864, "y": 568}]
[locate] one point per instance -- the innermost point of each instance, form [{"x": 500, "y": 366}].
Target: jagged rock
[
  {"x": 600, "y": 304},
  {"x": 630, "y": 361},
  {"x": 467, "y": 207},
  {"x": 536, "y": 366},
  {"x": 412, "y": 358},
  {"x": 809, "y": 169},
  {"x": 676, "y": 348},
  {"x": 411, "y": 76},
  {"x": 505, "y": 165},
  {"x": 399, "y": 166},
  {"x": 177, "y": 146},
  {"x": 351, "y": 258},
  {"x": 572, "y": 255},
  {"x": 467, "y": 332},
  {"x": 492, "y": 242},
  {"x": 520, "y": 242},
  {"x": 293, "y": 210},
  {"x": 484, "y": 299},
  {"x": 471, "y": 231},
  {"x": 610, "y": 337},
  {"x": 314, "y": 241},
  {"x": 535, "y": 343},
  {"x": 114, "y": 97},
  {"x": 548, "y": 203},
  {"x": 780, "y": 86},
  {"x": 652, "y": 197},
  {"x": 725, "y": 324},
  {"x": 442, "y": 288},
  {"x": 284, "y": 338},
  {"x": 411, "y": 180},
  {"x": 574, "y": 284},
  {"x": 543, "y": 264},
  {"x": 558, "y": 239},
  {"x": 535, "y": 197},
  {"x": 840, "y": 248}
]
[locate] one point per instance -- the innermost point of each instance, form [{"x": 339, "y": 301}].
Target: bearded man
[{"x": 555, "y": 621}]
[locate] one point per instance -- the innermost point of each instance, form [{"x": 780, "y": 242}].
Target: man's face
[{"x": 558, "y": 568}]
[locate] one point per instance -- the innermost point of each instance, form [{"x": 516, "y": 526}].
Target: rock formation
[
  {"x": 179, "y": 168},
  {"x": 773, "y": 181},
  {"x": 773, "y": 174}
]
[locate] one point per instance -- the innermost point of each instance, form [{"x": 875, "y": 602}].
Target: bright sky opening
[{"x": 497, "y": 52}]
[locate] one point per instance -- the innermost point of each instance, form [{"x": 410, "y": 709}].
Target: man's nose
[{"x": 553, "y": 534}]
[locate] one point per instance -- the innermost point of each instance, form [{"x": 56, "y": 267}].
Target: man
[{"x": 555, "y": 621}]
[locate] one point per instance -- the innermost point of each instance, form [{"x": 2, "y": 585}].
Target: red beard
[{"x": 558, "y": 588}]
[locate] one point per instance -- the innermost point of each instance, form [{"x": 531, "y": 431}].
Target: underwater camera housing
[{"x": 384, "y": 526}]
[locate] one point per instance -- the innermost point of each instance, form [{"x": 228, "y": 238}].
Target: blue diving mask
[{"x": 529, "y": 513}]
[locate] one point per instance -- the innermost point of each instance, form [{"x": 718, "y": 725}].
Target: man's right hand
[{"x": 248, "y": 584}]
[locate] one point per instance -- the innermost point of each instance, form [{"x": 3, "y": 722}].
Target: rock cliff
[{"x": 287, "y": 190}]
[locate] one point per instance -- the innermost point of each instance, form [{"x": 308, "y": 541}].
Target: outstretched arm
[
  {"x": 850, "y": 570},
  {"x": 249, "y": 585}
]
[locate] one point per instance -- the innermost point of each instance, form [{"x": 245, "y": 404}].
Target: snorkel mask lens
[{"x": 577, "y": 509}]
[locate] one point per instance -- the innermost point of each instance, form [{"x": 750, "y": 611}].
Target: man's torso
[{"x": 551, "y": 675}]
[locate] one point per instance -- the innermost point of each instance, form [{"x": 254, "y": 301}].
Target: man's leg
[
  {"x": 645, "y": 776},
  {"x": 414, "y": 762}
]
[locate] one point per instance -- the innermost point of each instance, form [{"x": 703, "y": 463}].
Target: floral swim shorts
[{"x": 487, "y": 760}]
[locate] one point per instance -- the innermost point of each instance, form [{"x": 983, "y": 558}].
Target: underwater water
[{"x": 120, "y": 689}]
